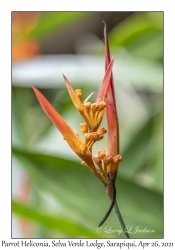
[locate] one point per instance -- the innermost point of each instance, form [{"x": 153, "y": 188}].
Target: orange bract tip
[{"x": 68, "y": 133}]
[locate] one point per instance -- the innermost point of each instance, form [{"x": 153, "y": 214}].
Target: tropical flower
[{"x": 103, "y": 165}]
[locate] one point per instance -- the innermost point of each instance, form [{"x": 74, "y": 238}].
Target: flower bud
[
  {"x": 102, "y": 105},
  {"x": 79, "y": 93},
  {"x": 84, "y": 128},
  {"x": 101, "y": 131},
  {"x": 87, "y": 105},
  {"x": 101, "y": 153},
  {"x": 87, "y": 137}
]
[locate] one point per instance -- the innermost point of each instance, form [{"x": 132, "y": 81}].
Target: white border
[{"x": 5, "y": 93}]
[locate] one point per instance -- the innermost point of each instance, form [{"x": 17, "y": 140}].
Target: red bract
[{"x": 111, "y": 111}]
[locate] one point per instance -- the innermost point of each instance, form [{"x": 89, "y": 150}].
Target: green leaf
[
  {"x": 57, "y": 223},
  {"x": 83, "y": 198},
  {"x": 133, "y": 28},
  {"x": 52, "y": 21},
  {"x": 143, "y": 153}
]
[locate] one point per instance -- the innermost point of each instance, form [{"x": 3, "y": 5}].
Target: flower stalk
[{"x": 104, "y": 166}]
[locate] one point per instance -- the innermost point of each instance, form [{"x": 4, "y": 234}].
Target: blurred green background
[{"x": 53, "y": 195}]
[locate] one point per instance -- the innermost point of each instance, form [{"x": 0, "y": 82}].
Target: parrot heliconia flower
[{"x": 103, "y": 165}]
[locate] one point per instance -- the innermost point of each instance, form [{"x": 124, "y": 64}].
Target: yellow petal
[{"x": 75, "y": 99}]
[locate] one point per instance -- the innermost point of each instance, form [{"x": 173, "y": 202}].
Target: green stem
[{"x": 119, "y": 216}]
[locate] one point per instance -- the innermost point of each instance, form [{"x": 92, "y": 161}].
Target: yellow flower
[{"x": 92, "y": 112}]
